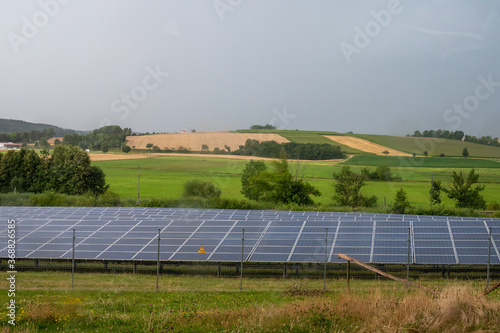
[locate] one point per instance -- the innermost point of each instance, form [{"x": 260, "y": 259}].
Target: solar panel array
[{"x": 109, "y": 233}]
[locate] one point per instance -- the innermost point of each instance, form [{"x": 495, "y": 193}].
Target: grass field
[
  {"x": 164, "y": 177},
  {"x": 421, "y": 162},
  {"x": 128, "y": 303}
]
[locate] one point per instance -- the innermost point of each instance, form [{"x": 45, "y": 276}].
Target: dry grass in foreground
[{"x": 458, "y": 308}]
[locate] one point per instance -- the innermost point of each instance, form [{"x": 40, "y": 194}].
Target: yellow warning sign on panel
[{"x": 202, "y": 250}]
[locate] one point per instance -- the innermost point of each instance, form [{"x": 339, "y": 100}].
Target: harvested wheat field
[
  {"x": 365, "y": 145},
  {"x": 114, "y": 157},
  {"x": 194, "y": 141}
]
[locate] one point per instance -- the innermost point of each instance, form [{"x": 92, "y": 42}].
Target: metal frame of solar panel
[{"x": 270, "y": 236}]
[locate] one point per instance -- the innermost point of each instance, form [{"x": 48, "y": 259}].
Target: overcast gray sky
[{"x": 382, "y": 67}]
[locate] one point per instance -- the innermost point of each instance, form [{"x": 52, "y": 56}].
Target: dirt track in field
[
  {"x": 365, "y": 145},
  {"x": 115, "y": 157},
  {"x": 194, "y": 141}
]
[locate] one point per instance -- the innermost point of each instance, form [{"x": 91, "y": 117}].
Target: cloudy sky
[{"x": 382, "y": 67}]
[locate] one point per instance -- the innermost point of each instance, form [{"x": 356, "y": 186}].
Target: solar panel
[{"x": 130, "y": 233}]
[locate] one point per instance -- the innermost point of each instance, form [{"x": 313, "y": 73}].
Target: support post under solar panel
[
  {"x": 242, "y": 253},
  {"x": 73, "y": 263},
  {"x": 158, "y": 262},
  {"x": 489, "y": 261},
  {"x": 326, "y": 254}
]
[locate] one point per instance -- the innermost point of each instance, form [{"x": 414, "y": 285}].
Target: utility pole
[
  {"x": 139, "y": 186},
  {"x": 432, "y": 188}
]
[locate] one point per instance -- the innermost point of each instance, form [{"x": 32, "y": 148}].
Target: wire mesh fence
[{"x": 232, "y": 270}]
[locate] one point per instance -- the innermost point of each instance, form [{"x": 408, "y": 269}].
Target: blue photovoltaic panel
[{"x": 131, "y": 233}]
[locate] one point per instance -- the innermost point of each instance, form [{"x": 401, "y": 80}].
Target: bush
[
  {"x": 15, "y": 199},
  {"x": 198, "y": 188},
  {"x": 126, "y": 149},
  {"x": 382, "y": 173},
  {"x": 493, "y": 206},
  {"x": 108, "y": 199}
]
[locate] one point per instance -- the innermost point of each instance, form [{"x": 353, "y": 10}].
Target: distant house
[{"x": 10, "y": 145}]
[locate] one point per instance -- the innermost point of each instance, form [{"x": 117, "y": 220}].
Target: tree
[
  {"x": 126, "y": 149},
  {"x": 417, "y": 134},
  {"x": 277, "y": 186},
  {"x": 70, "y": 172},
  {"x": 253, "y": 187},
  {"x": 105, "y": 147},
  {"x": 413, "y": 154},
  {"x": 401, "y": 202},
  {"x": 442, "y": 155},
  {"x": 204, "y": 147},
  {"x": 267, "y": 126},
  {"x": 386, "y": 152},
  {"x": 465, "y": 153},
  {"x": 426, "y": 153},
  {"x": 435, "y": 191},
  {"x": 462, "y": 192},
  {"x": 149, "y": 146},
  {"x": 198, "y": 188},
  {"x": 348, "y": 188},
  {"x": 227, "y": 148}
]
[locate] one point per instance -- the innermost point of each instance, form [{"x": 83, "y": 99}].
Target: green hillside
[
  {"x": 308, "y": 137},
  {"x": 13, "y": 126},
  {"x": 434, "y": 146}
]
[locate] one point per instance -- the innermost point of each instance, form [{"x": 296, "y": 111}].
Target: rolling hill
[
  {"x": 13, "y": 126},
  {"x": 408, "y": 145}
]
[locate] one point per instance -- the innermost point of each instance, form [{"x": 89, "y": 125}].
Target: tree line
[
  {"x": 102, "y": 138},
  {"x": 67, "y": 170},
  {"x": 280, "y": 186},
  {"x": 303, "y": 151},
  {"x": 456, "y": 135},
  {"x": 27, "y": 137}
]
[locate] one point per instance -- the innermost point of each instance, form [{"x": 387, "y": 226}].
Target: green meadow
[{"x": 164, "y": 177}]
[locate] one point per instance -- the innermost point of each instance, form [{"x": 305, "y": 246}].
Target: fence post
[
  {"x": 284, "y": 271},
  {"x": 73, "y": 263},
  {"x": 326, "y": 254},
  {"x": 409, "y": 254},
  {"x": 348, "y": 275},
  {"x": 242, "y": 253},
  {"x": 158, "y": 262},
  {"x": 489, "y": 261}
]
